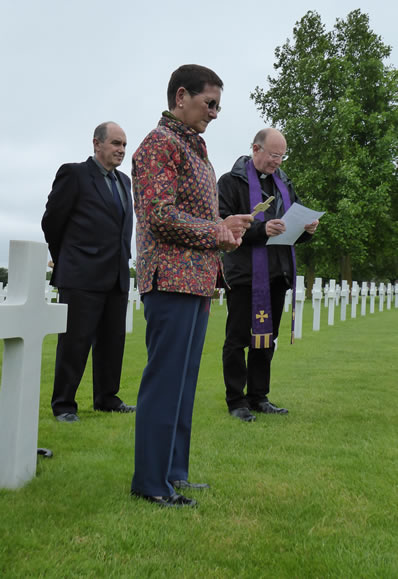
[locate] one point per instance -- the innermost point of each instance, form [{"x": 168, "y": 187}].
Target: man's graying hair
[
  {"x": 101, "y": 132},
  {"x": 260, "y": 137}
]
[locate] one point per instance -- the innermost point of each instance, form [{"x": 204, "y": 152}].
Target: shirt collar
[{"x": 101, "y": 167}]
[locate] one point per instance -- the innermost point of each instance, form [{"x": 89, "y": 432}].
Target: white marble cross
[
  {"x": 316, "y": 301},
  {"x": 354, "y": 298},
  {"x": 3, "y": 292},
  {"x": 288, "y": 299},
  {"x": 382, "y": 292},
  {"x": 338, "y": 294},
  {"x": 325, "y": 294},
  {"x": 331, "y": 296},
  {"x": 345, "y": 296},
  {"x": 129, "y": 310},
  {"x": 25, "y": 318},
  {"x": 300, "y": 299},
  {"x": 364, "y": 294},
  {"x": 389, "y": 295},
  {"x": 372, "y": 293}
]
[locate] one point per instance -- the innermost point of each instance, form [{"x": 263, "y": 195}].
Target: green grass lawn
[{"x": 309, "y": 495}]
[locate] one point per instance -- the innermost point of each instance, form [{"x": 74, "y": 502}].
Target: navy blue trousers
[{"x": 175, "y": 333}]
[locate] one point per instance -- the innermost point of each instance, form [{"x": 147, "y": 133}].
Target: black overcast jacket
[{"x": 234, "y": 198}]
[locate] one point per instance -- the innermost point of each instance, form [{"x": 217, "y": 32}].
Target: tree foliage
[
  {"x": 335, "y": 100},
  {"x": 4, "y": 275},
  {"x": 133, "y": 272}
]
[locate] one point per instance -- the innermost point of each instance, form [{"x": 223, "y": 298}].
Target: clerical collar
[{"x": 262, "y": 175}]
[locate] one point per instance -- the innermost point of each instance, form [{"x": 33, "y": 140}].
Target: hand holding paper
[{"x": 295, "y": 218}]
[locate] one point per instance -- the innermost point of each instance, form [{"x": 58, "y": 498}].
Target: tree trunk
[
  {"x": 346, "y": 269},
  {"x": 309, "y": 278}
]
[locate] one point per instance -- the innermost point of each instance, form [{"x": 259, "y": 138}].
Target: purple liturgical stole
[{"x": 262, "y": 334}]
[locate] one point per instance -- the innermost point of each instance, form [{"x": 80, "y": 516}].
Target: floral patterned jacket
[{"x": 176, "y": 206}]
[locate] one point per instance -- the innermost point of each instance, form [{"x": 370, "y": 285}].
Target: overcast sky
[{"x": 68, "y": 65}]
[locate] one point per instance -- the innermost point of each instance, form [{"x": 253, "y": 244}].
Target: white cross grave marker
[
  {"x": 364, "y": 294},
  {"x": 331, "y": 297},
  {"x": 382, "y": 292},
  {"x": 25, "y": 318},
  {"x": 316, "y": 301},
  {"x": 325, "y": 293},
  {"x": 389, "y": 295},
  {"x": 136, "y": 298},
  {"x": 49, "y": 292},
  {"x": 3, "y": 292},
  {"x": 129, "y": 310},
  {"x": 354, "y": 298},
  {"x": 300, "y": 299},
  {"x": 396, "y": 294},
  {"x": 345, "y": 296},
  {"x": 288, "y": 299},
  {"x": 338, "y": 293},
  {"x": 372, "y": 293}
]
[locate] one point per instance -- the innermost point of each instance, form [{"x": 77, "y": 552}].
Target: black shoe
[
  {"x": 243, "y": 414},
  {"x": 124, "y": 408},
  {"x": 121, "y": 408},
  {"x": 67, "y": 417},
  {"x": 267, "y": 407},
  {"x": 184, "y": 484},
  {"x": 173, "y": 501}
]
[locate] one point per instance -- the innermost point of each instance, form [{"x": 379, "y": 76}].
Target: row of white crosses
[
  {"x": 333, "y": 295},
  {"x": 385, "y": 293}
]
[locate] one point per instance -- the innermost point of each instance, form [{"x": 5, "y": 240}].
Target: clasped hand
[{"x": 231, "y": 230}]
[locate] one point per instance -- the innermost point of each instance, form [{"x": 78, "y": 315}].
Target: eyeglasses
[
  {"x": 212, "y": 105},
  {"x": 274, "y": 156}
]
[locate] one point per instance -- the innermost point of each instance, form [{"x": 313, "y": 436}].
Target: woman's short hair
[{"x": 193, "y": 78}]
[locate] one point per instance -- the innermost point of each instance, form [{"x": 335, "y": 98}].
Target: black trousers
[
  {"x": 97, "y": 320},
  {"x": 255, "y": 373}
]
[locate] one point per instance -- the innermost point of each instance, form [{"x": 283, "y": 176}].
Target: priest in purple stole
[{"x": 258, "y": 275}]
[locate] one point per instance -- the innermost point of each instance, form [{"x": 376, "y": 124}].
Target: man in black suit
[{"x": 88, "y": 225}]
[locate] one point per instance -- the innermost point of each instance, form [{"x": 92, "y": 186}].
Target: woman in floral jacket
[{"x": 179, "y": 237}]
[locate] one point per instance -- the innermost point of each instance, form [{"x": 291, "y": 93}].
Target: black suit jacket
[{"x": 89, "y": 242}]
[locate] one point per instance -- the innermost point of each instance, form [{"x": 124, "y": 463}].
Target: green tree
[
  {"x": 336, "y": 102},
  {"x": 133, "y": 273},
  {"x": 4, "y": 275}
]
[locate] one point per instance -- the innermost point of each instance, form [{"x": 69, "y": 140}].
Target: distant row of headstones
[{"x": 332, "y": 294}]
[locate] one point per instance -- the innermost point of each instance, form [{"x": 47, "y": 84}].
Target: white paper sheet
[{"x": 295, "y": 218}]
